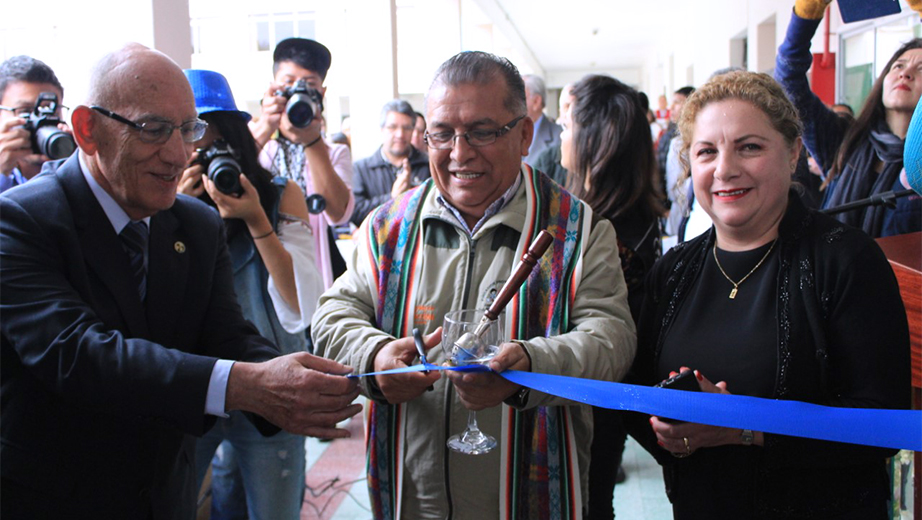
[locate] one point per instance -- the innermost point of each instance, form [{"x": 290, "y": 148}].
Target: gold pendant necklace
[{"x": 736, "y": 285}]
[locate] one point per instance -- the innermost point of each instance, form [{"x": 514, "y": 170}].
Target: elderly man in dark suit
[
  {"x": 120, "y": 321},
  {"x": 547, "y": 132}
]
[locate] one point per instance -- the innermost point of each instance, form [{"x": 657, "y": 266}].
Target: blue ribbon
[{"x": 900, "y": 429}]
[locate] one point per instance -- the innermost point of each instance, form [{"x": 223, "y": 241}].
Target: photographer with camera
[
  {"x": 289, "y": 131},
  {"x": 31, "y": 130},
  {"x": 272, "y": 250}
]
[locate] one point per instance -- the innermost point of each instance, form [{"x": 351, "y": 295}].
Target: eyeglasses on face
[
  {"x": 446, "y": 140},
  {"x": 159, "y": 132},
  {"x": 25, "y": 111}
]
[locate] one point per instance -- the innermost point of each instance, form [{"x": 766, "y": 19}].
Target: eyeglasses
[
  {"x": 159, "y": 132},
  {"x": 446, "y": 140},
  {"x": 25, "y": 111}
]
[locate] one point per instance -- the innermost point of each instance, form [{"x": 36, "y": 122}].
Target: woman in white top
[{"x": 272, "y": 249}]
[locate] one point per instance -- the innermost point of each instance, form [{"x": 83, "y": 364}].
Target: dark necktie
[{"x": 134, "y": 239}]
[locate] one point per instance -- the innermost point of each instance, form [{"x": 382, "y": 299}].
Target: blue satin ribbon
[{"x": 900, "y": 429}]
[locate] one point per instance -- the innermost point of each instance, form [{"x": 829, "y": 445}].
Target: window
[
  {"x": 269, "y": 29},
  {"x": 262, "y": 36},
  {"x": 864, "y": 52}
]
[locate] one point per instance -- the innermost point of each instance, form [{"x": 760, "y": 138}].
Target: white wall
[
  {"x": 710, "y": 42},
  {"x": 70, "y": 38},
  {"x": 70, "y": 35}
]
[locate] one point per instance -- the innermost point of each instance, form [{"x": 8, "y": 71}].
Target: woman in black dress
[{"x": 775, "y": 301}]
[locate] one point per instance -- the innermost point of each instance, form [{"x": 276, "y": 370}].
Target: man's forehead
[
  {"x": 20, "y": 93},
  {"x": 392, "y": 114},
  {"x": 471, "y": 103},
  {"x": 292, "y": 69},
  {"x": 162, "y": 98}
]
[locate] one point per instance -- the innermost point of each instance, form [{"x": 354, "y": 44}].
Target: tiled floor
[{"x": 336, "y": 482}]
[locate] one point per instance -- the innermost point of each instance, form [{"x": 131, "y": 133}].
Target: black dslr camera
[
  {"x": 220, "y": 161},
  {"x": 304, "y": 103},
  {"x": 42, "y": 124}
]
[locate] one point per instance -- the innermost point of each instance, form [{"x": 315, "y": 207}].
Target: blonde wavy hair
[{"x": 755, "y": 88}]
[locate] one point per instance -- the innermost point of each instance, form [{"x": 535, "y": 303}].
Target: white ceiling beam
[{"x": 501, "y": 20}]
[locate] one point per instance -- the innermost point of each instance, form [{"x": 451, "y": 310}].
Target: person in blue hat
[{"x": 273, "y": 253}]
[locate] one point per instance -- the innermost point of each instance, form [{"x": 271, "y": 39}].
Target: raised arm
[{"x": 824, "y": 130}]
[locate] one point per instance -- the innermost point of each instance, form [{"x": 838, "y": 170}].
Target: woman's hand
[
  {"x": 191, "y": 181},
  {"x": 245, "y": 207},
  {"x": 684, "y": 438}
]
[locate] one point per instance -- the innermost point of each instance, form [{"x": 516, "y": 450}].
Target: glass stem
[{"x": 472, "y": 421}]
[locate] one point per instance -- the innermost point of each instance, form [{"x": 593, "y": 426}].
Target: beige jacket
[{"x": 458, "y": 271}]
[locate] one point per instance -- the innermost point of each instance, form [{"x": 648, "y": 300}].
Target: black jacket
[
  {"x": 843, "y": 341},
  {"x": 100, "y": 393},
  {"x": 373, "y": 177}
]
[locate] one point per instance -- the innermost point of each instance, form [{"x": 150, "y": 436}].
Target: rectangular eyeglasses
[
  {"x": 446, "y": 140},
  {"x": 159, "y": 132}
]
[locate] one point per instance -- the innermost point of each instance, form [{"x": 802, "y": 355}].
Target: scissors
[{"x": 420, "y": 348}]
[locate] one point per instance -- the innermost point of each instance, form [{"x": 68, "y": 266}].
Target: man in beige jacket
[{"x": 448, "y": 245}]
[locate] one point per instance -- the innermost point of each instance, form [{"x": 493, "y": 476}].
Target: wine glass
[{"x": 474, "y": 351}]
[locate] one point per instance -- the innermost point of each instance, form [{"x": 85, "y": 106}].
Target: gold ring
[{"x": 688, "y": 450}]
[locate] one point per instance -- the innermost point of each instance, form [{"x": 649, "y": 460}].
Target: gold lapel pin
[{"x": 179, "y": 247}]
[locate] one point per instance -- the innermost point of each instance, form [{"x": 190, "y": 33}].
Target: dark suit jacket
[
  {"x": 373, "y": 178},
  {"x": 547, "y": 133},
  {"x": 98, "y": 394}
]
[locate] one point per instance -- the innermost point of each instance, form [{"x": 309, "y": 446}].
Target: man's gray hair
[
  {"x": 725, "y": 70},
  {"x": 401, "y": 107},
  {"x": 537, "y": 87},
  {"x": 26, "y": 69},
  {"x": 480, "y": 68}
]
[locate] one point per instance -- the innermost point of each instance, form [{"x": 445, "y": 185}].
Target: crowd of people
[{"x": 174, "y": 301}]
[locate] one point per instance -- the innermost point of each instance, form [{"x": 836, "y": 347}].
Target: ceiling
[{"x": 588, "y": 34}]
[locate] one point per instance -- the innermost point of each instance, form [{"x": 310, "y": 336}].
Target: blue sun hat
[
  {"x": 912, "y": 151},
  {"x": 212, "y": 93}
]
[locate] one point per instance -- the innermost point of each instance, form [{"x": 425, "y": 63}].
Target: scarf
[
  {"x": 858, "y": 180},
  {"x": 540, "y": 475}
]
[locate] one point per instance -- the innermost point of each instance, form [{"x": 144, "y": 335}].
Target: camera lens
[
  {"x": 224, "y": 172},
  {"x": 54, "y": 143},
  {"x": 300, "y": 110}
]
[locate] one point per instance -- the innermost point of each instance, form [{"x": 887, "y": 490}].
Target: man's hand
[
  {"x": 480, "y": 390},
  {"x": 300, "y": 393},
  {"x": 399, "y": 388},
  {"x": 273, "y": 107},
  {"x": 402, "y": 182},
  {"x": 306, "y": 135},
  {"x": 15, "y": 144}
]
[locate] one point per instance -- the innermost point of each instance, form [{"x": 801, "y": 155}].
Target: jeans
[{"x": 272, "y": 470}]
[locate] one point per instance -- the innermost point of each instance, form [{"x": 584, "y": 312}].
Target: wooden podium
[{"x": 905, "y": 255}]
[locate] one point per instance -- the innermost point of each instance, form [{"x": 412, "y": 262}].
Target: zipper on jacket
[{"x": 472, "y": 244}]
